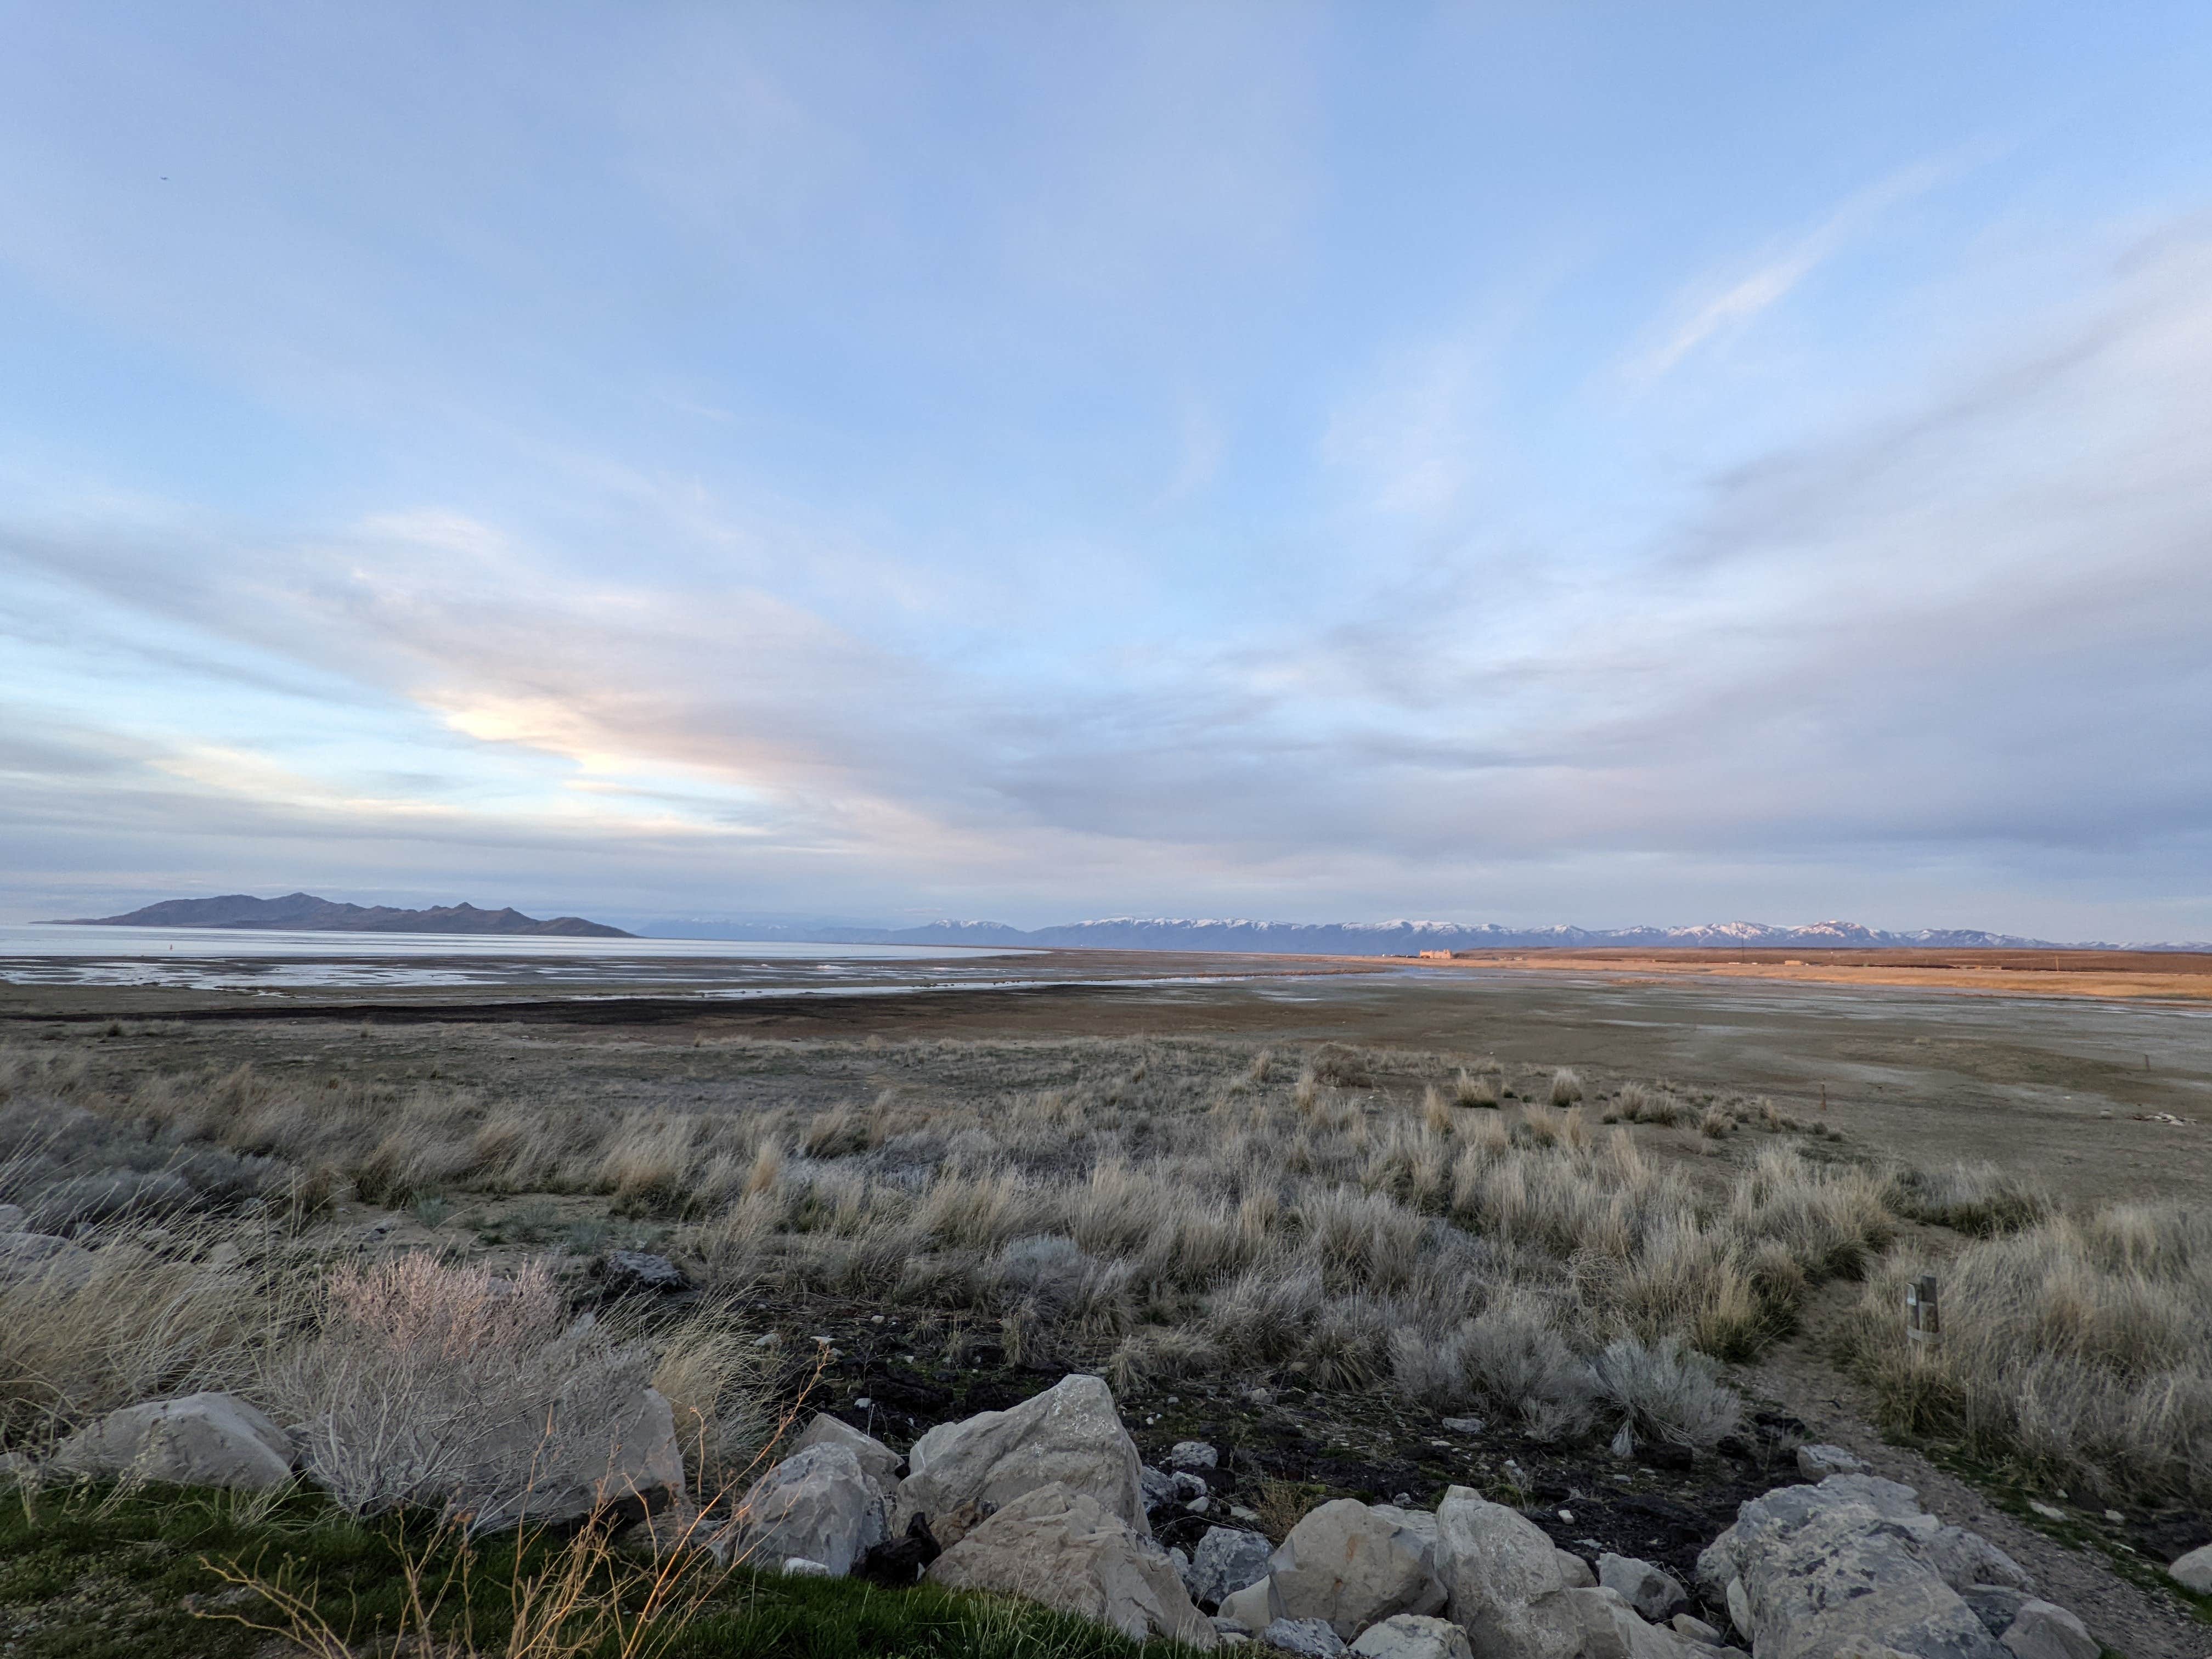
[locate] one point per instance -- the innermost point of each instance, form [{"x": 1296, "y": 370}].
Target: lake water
[
  {"x": 223, "y": 959},
  {"x": 37, "y": 938}
]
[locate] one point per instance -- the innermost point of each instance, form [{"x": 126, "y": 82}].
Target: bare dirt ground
[
  {"x": 2098, "y": 1097},
  {"x": 2151, "y": 974}
]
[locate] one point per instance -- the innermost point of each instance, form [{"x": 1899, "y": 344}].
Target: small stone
[
  {"x": 1738, "y": 1607},
  {"x": 1310, "y": 1638},
  {"x": 1192, "y": 1455},
  {"x": 1464, "y": 1426},
  {"x": 2194, "y": 1571},
  {"x": 1188, "y": 1486},
  {"x": 1818, "y": 1463},
  {"x": 1260, "y": 1397},
  {"x": 2045, "y": 1631},
  {"x": 1655, "y": 1594},
  {"x": 2049, "y": 1512},
  {"x": 798, "y": 1566},
  {"x": 1689, "y": 1624},
  {"x": 1412, "y": 1636},
  {"x": 2114, "y": 1516},
  {"x": 1576, "y": 1571},
  {"x": 1238, "y": 1512},
  {"x": 1157, "y": 1487}
]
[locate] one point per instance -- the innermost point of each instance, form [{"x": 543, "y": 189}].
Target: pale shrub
[{"x": 426, "y": 1382}]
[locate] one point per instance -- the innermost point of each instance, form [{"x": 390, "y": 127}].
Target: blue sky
[{"x": 1532, "y": 464}]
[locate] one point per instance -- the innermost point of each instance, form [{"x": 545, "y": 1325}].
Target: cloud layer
[{"x": 711, "y": 473}]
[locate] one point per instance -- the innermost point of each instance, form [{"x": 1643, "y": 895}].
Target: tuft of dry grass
[
  {"x": 1566, "y": 1088},
  {"x": 2077, "y": 1347},
  {"x": 1977, "y": 1198}
]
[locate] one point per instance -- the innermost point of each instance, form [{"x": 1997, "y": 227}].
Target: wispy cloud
[{"x": 1724, "y": 305}]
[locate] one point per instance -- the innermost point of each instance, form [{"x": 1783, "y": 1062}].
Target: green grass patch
[{"x": 89, "y": 1575}]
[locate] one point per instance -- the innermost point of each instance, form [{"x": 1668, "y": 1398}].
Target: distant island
[{"x": 303, "y": 913}]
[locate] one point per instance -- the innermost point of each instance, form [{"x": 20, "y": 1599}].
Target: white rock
[
  {"x": 1249, "y": 1606},
  {"x": 798, "y": 1566},
  {"x": 1655, "y": 1594},
  {"x": 42, "y": 1259},
  {"x": 1578, "y": 1573},
  {"x": 1738, "y": 1607},
  {"x": 1192, "y": 1455},
  {"x": 1068, "y": 1551},
  {"x": 1225, "y": 1561},
  {"x": 1069, "y": 1436},
  {"x": 1412, "y": 1636},
  {"x": 1611, "y": 1630},
  {"x": 1818, "y": 1463},
  {"x": 1346, "y": 1564},
  {"x": 819, "y": 1505},
  {"x": 200, "y": 1440},
  {"x": 1508, "y": 1589},
  {"x": 2044, "y": 1631},
  {"x": 877, "y": 1461},
  {"x": 2194, "y": 1571},
  {"x": 1309, "y": 1638},
  {"x": 1464, "y": 1426}
]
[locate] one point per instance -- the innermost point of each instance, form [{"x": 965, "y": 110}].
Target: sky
[{"x": 1534, "y": 463}]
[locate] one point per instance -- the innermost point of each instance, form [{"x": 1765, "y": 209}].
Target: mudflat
[{"x": 2076, "y": 1088}]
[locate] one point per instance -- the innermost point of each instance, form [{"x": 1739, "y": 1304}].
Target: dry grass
[
  {"x": 1972, "y": 1198},
  {"x": 1156, "y": 1206},
  {"x": 2079, "y": 1348}
]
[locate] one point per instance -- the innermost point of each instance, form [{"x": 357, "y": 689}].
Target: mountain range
[
  {"x": 1374, "y": 938},
  {"x": 304, "y": 913}
]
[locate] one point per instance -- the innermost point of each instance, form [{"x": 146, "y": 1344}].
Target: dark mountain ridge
[{"x": 304, "y": 913}]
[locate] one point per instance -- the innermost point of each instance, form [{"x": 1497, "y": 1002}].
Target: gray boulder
[
  {"x": 1351, "y": 1566},
  {"x": 1656, "y": 1595},
  {"x": 1818, "y": 1463},
  {"x": 2044, "y": 1631},
  {"x": 1067, "y": 1550},
  {"x": 1069, "y": 1436},
  {"x": 1194, "y": 1455},
  {"x": 877, "y": 1461},
  {"x": 1808, "y": 1571},
  {"x": 1225, "y": 1561},
  {"x": 2194, "y": 1571},
  {"x": 200, "y": 1440},
  {"x": 41, "y": 1258},
  {"x": 1508, "y": 1589},
  {"x": 1412, "y": 1636},
  {"x": 1995, "y": 1605},
  {"x": 818, "y": 1504},
  {"x": 1309, "y": 1638}
]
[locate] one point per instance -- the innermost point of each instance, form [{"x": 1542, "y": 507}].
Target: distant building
[{"x": 1435, "y": 956}]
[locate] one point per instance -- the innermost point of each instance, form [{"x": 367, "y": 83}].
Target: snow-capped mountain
[{"x": 1404, "y": 938}]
